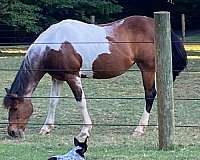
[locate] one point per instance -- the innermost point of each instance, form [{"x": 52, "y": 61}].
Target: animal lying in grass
[{"x": 77, "y": 153}]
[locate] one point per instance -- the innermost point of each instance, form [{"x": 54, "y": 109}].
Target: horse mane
[{"x": 19, "y": 84}]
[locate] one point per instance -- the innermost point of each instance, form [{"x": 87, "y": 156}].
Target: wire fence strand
[
  {"x": 90, "y": 70},
  {"x": 89, "y": 42},
  {"x": 103, "y": 98},
  {"x": 102, "y": 124}
]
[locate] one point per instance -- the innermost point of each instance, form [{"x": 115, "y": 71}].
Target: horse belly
[{"x": 109, "y": 66}]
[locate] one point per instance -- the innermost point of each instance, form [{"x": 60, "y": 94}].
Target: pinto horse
[{"x": 71, "y": 50}]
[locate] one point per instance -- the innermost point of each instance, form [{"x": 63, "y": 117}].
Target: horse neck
[{"x": 26, "y": 79}]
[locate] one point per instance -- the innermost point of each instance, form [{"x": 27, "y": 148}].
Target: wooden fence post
[
  {"x": 183, "y": 26},
  {"x": 164, "y": 81},
  {"x": 92, "y": 19}
]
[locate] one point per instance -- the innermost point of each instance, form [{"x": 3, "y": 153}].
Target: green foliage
[
  {"x": 18, "y": 14},
  {"x": 57, "y": 10},
  {"x": 35, "y": 15}
]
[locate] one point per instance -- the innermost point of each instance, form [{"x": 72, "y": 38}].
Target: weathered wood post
[
  {"x": 183, "y": 26},
  {"x": 92, "y": 19},
  {"x": 164, "y": 81}
]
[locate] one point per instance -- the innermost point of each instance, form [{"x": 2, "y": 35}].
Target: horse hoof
[
  {"x": 82, "y": 137},
  {"x": 44, "y": 131},
  {"x": 138, "y": 134}
]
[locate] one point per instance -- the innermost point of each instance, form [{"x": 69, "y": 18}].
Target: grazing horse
[{"x": 71, "y": 50}]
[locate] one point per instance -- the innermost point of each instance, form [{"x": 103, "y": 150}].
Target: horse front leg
[
  {"x": 76, "y": 87},
  {"x": 150, "y": 93},
  {"x": 54, "y": 99}
]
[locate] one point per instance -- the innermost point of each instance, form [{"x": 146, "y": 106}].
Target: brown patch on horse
[
  {"x": 107, "y": 66},
  {"x": 18, "y": 123},
  {"x": 63, "y": 63},
  {"x": 140, "y": 31},
  {"x": 119, "y": 60}
]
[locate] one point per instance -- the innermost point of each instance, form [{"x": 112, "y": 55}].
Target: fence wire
[
  {"x": 100, "y": 98},
  {"x": 101, "y": 124},
  {"x": 113, "y": 42},
  {"x": 106, "y": 98}
]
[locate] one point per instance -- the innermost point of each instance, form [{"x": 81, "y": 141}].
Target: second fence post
[
  {"x": 164, "y": 80},
  {"x": 183, "y": 26},
  {"x": 92, "y": 19}
]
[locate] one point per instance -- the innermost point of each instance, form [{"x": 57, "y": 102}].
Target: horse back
[
  {"x": 131, "y": 41},
  {"x": 106, "y": 50}
]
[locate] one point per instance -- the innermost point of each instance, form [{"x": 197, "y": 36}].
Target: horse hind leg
[
  {"x": 150, "y": 93},
  {"x": 76, "y": 87},
  {"x": 54, "y": 99}
]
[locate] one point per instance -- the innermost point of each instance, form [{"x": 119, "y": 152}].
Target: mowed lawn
[{"x": 106, "y": 142}]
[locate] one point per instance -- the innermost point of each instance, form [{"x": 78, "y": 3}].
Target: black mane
[
  {"x": 22, "y": 78},
  {"x": 19, "y": 85}
]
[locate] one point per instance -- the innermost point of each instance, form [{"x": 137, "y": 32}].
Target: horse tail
[{"x": 179, "y": 55}]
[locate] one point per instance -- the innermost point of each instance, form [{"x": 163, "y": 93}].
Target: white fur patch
[
  {"x": 143, "y": 122},
  {"x": 88, "y": 40},
  {"x": 71, "y": 155}
]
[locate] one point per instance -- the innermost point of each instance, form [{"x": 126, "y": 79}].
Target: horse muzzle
[{"x": 15, "y": 133}]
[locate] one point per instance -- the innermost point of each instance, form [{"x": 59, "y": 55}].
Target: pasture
[{"x": 115, "y": 119}]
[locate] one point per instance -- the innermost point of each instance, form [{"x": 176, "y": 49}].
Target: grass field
[{"x": 106, "y": 142}]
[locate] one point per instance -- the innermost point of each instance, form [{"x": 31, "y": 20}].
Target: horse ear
[
  {"x": 7, "y": 90},
  {"x": 76, "y": 142}
]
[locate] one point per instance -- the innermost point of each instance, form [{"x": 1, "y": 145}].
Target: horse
[{"x": 72, "y": 50}]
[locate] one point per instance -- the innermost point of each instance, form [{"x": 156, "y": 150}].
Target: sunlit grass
[{"x": 192, "y": 47}]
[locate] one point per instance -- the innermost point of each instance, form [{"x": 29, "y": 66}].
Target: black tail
[{"x": 179, "y": 55}]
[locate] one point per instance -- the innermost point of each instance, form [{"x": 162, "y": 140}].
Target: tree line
[{"x": 30, "y": 17}]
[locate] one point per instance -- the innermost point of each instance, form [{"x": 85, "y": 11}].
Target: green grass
[{"x": 106, "y": 142}]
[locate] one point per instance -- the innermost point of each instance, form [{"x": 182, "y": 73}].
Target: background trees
[{"x": 35, "y": 15}]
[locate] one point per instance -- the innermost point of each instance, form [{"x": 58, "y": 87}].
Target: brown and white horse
[{"x": 79, "y": 50}]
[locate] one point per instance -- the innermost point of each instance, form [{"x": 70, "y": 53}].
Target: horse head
[{"x": 19, "y": 111}]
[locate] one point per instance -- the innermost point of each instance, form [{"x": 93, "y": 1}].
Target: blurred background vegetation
[{"x": 25, "y": 19}]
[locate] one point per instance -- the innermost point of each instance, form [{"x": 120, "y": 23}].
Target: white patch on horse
[
  {"x": 85, "y": 131},
  {"x": 88, "y": 40},
  {"x": 143, "y": 122},
  {"x": 54, "y": 99}
]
